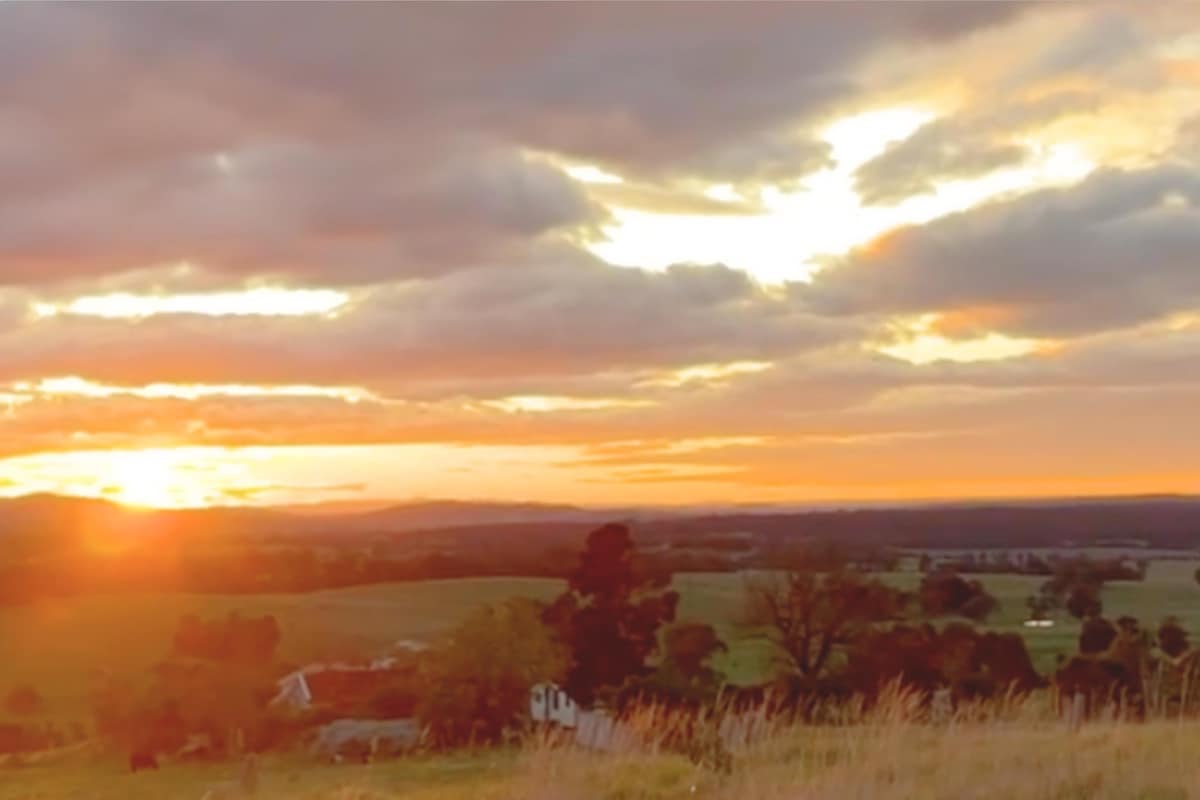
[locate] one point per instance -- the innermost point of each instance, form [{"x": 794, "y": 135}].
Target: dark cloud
[
  {"x": 938, "y": 152},
  {"x": 560, "y": 316},
  {"x": 1116, "y": 250},
  {"x": 968, "y": 145},
  {"x": 1109, "y": 42},
  {"x": 372, "y": 141},
  {"x": 1187, "y": 143},
  {"x": 355, "y": 214}
]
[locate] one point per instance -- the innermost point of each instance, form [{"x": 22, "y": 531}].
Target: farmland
[{"x": 59, "y": 645}]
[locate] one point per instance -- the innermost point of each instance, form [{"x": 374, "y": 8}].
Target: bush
[
  {"x": 945, "y": 593},
  {"x": 23, "y": 701},
  {"x": 1172, "y": 637},
  {"x": 1096, "y": 635},
  {"x": 479, "y": 676}
]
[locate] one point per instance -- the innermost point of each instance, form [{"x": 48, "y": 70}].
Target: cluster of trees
[
  {"x": 969, "y": 663},
  {"x": 999, "y": 562},
  {"x": 1075, "y": 586},
  {"x": 597, "y": 639},
  {"x": 839, "y": 633},
  {"x": 1004, "y": 562},
  {"x": 945, "y": 593},
  {"x": 1123, "y": 665},
  {"x": 216, "y": 680}
]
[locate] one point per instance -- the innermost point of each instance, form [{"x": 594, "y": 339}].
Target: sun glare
[
  {"x": 541, "y": 404},
  {"x": 150, "y": 479},
  {"x": 796, "y": 227}
]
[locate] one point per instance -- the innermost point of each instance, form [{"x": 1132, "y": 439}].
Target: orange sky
[{"x": 599, "y": 254}]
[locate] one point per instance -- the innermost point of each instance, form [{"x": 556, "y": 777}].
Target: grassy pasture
[
  {"x": 1169, "y": 589},
  {"x": 57, "y": 646}
]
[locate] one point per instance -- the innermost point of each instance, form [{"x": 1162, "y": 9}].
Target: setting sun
[{"x": 150, "y": 478}]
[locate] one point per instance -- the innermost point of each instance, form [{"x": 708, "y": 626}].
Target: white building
[
  {"x": 551, "y": 703},
  {"x": 293, "y": 691}
]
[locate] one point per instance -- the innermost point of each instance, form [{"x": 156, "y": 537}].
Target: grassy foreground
[{"x": 1022, "y": 755}]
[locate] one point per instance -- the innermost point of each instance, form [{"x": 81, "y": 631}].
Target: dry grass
[{"x": 1015, "y": 751}]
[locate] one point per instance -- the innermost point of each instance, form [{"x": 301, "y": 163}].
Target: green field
[
  {"x": 59, "y": 646},
  {"x": 1169, "y": 589}
]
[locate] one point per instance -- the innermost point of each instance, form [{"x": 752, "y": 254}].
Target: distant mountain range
[
  {"x": 49, "y": 523},
  {"x": 41, "y": 522}
]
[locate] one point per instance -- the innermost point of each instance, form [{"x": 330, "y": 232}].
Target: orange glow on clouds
[
  {"x": 250, "y": 302},
  {"x": 73, "y": 386},
  {"x": 919, "y": 341}
]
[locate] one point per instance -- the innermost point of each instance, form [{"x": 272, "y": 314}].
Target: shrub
[{"x": 23, "y": 701}]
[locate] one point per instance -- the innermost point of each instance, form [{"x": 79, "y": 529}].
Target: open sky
[{"x": 623, "y": 253}]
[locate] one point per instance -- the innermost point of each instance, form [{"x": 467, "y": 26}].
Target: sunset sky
[{"x": 599, "y": 254}]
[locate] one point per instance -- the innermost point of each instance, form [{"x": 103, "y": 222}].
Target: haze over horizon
[{"x": 599, "y": 254}]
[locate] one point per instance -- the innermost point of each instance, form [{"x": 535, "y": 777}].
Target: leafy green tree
[
  {"x": 610, "y": 615},
  {"x": 808, "y": 615},
  {"x": 479, "y": 676}
]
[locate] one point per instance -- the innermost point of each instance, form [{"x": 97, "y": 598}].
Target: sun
[{"x": 150, "y": 479}]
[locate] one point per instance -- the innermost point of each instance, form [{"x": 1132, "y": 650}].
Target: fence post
[
  {"x": 942, "y": 708},
  {"x": 1078, "y": 706}
]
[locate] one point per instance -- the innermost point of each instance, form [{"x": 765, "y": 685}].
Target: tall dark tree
[{"x": 610, "y": 614}]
